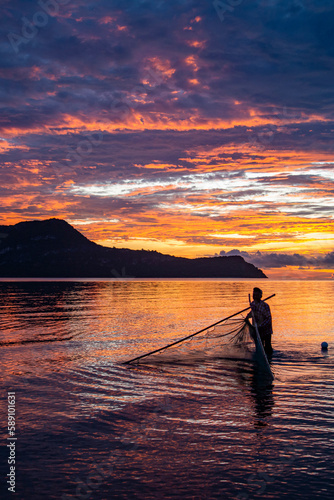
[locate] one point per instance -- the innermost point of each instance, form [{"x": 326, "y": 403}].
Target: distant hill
[{"x": 54, "y": 249}]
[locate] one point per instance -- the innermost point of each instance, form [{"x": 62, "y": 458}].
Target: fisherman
[{"x": 262, "y": 315}]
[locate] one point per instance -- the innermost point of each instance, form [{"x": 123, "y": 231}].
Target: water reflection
[
  {"x": 262, "y": 395},
  {"x": 196, "y": 428}
]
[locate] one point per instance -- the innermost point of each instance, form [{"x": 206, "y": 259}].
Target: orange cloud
[{"x": 198, "y": 44}]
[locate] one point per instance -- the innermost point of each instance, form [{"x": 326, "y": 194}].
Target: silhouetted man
[{"x": 262, "y": 314}]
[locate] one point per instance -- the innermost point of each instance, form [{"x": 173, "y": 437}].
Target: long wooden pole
[{"x": 190, "y": 336}]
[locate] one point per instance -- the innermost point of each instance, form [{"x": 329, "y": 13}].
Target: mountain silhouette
[{"x": 54, "y": 249}]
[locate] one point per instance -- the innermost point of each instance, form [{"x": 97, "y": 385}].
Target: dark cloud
[{"x": 85, "y": 50}]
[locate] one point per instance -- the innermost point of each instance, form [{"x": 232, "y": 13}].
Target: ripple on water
[{"x": 172, "y": 428}]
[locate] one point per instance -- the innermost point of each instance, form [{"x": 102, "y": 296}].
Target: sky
[{"x": 190, "y": 127}]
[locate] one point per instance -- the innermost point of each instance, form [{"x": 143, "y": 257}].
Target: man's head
[{"x": 257, "y": 294}]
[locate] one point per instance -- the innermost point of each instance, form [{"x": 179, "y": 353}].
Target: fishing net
[{"x": 231, "y": 337}]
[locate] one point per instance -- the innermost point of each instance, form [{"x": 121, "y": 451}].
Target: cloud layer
[
  {"x": 278, "y": 260},
  {"x": 159, "y": 124}
]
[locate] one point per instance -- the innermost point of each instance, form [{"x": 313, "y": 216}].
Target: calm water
[{"x": 90, "y": 427}]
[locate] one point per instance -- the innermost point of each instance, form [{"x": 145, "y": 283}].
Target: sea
[{"x": 77, "y": 422}]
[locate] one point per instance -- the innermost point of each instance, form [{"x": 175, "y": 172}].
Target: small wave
[{"x": 35, "y": 341}]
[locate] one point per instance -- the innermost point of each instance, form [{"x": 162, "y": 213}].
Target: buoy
[{"x": 324, "y": 346}]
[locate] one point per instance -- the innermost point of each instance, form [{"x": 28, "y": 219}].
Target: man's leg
[
  {"x": 266, "y": 342},
  {"x": 267, "y": 345}
]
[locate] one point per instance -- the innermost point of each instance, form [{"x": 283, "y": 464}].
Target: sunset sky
[{"x": 190, "y": 127}]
